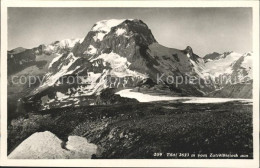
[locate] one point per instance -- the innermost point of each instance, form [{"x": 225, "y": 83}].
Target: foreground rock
[{"x": 46, "y": 145}]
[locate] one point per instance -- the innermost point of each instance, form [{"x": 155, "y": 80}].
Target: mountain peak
[
  {"x": 248, "y": 53},
  {"x": 115, "y": 35},
  {"x": 189, "y": 50},
  {"x": 104, "y": 27}
]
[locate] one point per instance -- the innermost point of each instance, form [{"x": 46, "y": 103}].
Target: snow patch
[
  {"x": 68, "y": 43},
  {"x": 248, "y": 62},
  {"x": 52, "y": 78},
  {"x": 92, "y": 87},
  {"x": 61, "y": 95},
  {"x": 114, "y": 59},
  {"x": 120, "y": 31},
  {"x": 141, "y": 97},
  {"x": 222, "y": 65},
  {"x": 104, "y": 27},
  {"x": 63, "y": 44},
  {"x": 55, "y": 60},
  {"x": 119, "y": 65},
  {"x": 199, "y": 69},
  {"x": 81, "y": 40}
]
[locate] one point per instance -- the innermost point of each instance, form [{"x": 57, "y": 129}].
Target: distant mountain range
[{"x": 122, "y": 54}]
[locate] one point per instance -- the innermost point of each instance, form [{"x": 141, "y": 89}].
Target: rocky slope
[
  {"x": 20, "y": 58},
  {"x": 27, "y": 68},
  {"x": 138, "y": 130}
]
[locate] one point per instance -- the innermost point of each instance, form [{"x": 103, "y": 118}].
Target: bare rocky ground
[{"x": 139, "y": 130}]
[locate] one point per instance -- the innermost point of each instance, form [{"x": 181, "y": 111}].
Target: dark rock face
[
  {"x": 215, "y": 56},
  {"x": 108, "y": 97},
  {"x": 147, "y": 82},
  {"x": 211, "y": 56},
  {"x": 188, "y": 50}
]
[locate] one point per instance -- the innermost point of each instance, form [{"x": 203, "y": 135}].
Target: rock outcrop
[{"x": 46, "y": 145}]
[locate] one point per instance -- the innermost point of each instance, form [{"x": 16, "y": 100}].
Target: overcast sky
[{"x": 206, "y": 30}]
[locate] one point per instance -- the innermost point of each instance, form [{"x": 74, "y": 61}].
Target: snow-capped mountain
[
  {"x": 20, "y": 57},
  {"x": 124, "y": 53},
  {"x": 28, "y": 63},
  {"x": 61, "y": 46},
  {"x": 119, "y": 54},
  {"x": 231, "y": 73},
  {"x": 235, "y": 67}
]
